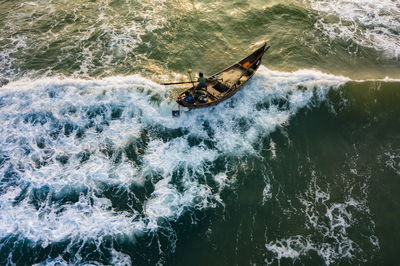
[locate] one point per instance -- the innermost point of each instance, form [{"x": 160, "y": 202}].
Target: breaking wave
[
  {"x": 87, "y": 164},
  {"x": 372, "y": 24}
]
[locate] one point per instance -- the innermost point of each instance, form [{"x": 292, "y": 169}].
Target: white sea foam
[
  {"x": 291, "y": 247},
  {"x": 81, "y": 220},
  {"x": 100, "y": 35},
  {"x": 330, "y": 221},
  {"x": 7, "y": 61},
  {"x": 369, "y": 23},
  {"x": 392, "y": 161},
  {"x": 43, "y": 150}
]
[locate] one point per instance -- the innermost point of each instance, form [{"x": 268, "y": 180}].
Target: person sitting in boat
[
  {"x": 189, "y": 97},
  {"x": 199, "y": 92},
  {"x": 202, "y": 82},
  {"x": 200, "y": 96}
]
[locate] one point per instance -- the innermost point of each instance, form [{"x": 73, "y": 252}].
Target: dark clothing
[
  {"x": 201, "y": 86},
  {"x": 202, "y": 83},
  {"x": 189, "y": 98},
  {"x": 202, "y": 80}
]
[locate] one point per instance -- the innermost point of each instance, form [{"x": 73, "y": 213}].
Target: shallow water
[{"x": 300, "y": 167}]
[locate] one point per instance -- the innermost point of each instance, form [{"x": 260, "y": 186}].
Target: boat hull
[{"x": 225, "y": 83}]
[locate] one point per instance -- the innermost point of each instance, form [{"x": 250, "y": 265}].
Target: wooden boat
[{"x": 225, "y": 83}]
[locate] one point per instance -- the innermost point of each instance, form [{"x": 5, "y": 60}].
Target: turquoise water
[{"x": 300, "y": 167}]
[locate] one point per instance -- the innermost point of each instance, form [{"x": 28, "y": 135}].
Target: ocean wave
[
  {"x": 372, "y": 24},
  {"x": 66, "y": 143}
]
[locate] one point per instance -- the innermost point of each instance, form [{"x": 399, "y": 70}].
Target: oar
[
  {"x": 190, "y": 75},
  {"x": 173, "y": 83},
  {"x": 183, "y": 82}
]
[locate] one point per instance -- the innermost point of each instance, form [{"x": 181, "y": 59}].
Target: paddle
[
  {"x": 190, "y": 75},
  {"x": 173, "y": 83},
  {"x": 182, "y": 82}
]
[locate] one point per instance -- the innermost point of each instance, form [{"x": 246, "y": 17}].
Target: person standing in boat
[
  {"x": 202, "y": 82},
  {"x": 199, "y": 93},
  {"x": 199, "y": 90}
]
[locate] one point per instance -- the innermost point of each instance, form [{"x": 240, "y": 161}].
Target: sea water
[{"x": 301, "y": 166}]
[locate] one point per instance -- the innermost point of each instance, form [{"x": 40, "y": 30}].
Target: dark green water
[
  {"x": 301, "y": 167},
  {"x": 333, "y": 185}
]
